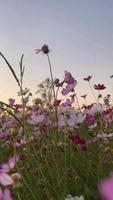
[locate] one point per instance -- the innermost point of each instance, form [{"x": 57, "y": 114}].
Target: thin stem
[
  {"x": 50, "y": 67},
  {"x": 51, "y": 74}
]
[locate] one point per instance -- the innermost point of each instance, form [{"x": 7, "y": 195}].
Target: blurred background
[{"x": 78, "y": 32}]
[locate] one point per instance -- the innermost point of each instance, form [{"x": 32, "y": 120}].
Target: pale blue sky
[{"x": 79, "y": 32}]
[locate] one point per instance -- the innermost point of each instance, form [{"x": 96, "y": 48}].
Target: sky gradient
[{"x": 79, "y": 33}]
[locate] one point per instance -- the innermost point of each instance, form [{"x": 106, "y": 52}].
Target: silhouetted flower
[
  {"x": 99, "y": 87},
  {"x": 44, "y": 49},
  {"x": 88, "y": 78},
  {"x": 84, "y": 96}
]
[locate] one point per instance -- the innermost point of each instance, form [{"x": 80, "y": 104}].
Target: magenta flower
[
  {"x": 99, "y": 87},
  {"x": 76, "y": 139},
  {"x": 90, "y": 118},
  {"x": 44, "y": 49},
  {"x": 105, "y": 188},
  {"x": 20, "y": 142},
  {"x": 88, "y": 78}
]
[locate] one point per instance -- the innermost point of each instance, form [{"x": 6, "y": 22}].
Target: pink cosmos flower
[
  {"x": 71, "y": 83},
  {"x": 5, "y": 178},
  {"x": 105, "y": 187},
  {"x": 88, "y": 78},
  {"x": 5, "y": 194},
  {"x": 44, "y": 49},
  {"x": 6, "y": 167},
  {"x": 20, "y": 142},
  {"x": 99, "y": 87}
]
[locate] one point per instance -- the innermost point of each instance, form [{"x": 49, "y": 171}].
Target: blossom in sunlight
[
  {"x": 99, "y": 87},
  {"x": 69, "y": 197},
  {"x": 5, "y": 194},
  {"x": 44, "y": 49},
  {"x": 105, "y": 187},
  {"x": 88, "y": 78}
]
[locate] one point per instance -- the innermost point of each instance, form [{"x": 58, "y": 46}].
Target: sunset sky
[{"x": 79, "y": 33}]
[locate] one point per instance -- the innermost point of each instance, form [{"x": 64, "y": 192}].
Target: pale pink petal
[
  {"x": 12, "y": 161},
  {"x": 4, "y": 168},
  {"x": 5, "y": 179}
]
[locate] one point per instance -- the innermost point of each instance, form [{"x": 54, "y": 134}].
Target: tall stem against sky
[
  {"x": 54, "y": 96},
  {"x": 51, "y": 74}
]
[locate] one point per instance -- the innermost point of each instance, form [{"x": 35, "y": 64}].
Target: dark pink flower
[
  {"x": 76, "y": 139},
  {"x": 57, "y": 102},
  {"x": 99, "y": 87},
  {"x": 88, "y": 78},
  {"x": 90, "y": 118},
  {"x": 44, "y": 49}
]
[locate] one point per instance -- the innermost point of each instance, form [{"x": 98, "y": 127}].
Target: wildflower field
[{"x": 54, "y": 148}]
